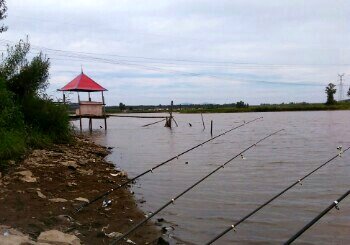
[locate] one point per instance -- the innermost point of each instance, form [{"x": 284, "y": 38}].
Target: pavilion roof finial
[{"x": 81, "y": 69}]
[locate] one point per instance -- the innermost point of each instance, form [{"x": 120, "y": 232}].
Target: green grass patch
[
  {"x": 270, "y": 108},
  {"x": 12, "y": 146}
]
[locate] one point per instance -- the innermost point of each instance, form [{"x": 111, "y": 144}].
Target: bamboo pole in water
[
  {"x": 153, "y": 123},
  {"x": 203, "y": 122}
]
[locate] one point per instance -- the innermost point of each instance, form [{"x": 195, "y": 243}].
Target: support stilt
[
  {"x": 104, "y": 110},
  {"x": 81, "y": 124},
  {"x": 90, "y": 124}
]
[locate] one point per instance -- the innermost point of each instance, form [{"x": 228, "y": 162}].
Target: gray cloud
[{"x": 270, "y": 45}]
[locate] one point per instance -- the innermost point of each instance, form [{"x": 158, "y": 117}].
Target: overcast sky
[{"x": 151, "y": 52}]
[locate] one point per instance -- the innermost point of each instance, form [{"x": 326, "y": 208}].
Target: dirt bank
[{"x": 41, "y": 193}]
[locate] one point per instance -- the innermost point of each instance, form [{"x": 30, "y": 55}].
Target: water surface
[{"x": 309, "y": 139}]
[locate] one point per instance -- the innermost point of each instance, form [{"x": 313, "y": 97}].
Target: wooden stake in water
[
  {"x": 203, "y": 122},
  {"x": 211, "y": 128},
  {"x": 168, "y": 120}
]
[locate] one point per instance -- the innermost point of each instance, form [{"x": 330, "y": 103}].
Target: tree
[
  {"x": 241, "y": 104},
  {"x": 122, "y": 106},
  {"x": 330, "y": 91},
  {"x": 3, "y": 9},
  {"x": 25, "y": 81},
  {"x": 349, "y": 92},
  {"x": 23, "y": 77}
]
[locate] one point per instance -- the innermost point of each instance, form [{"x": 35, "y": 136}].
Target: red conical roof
[{"x": 83, "y": 83}]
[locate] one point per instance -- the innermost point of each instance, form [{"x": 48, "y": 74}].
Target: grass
[
  {"x": 232, "y": 108},
  {"x": 12, "y": 146},
  {"x": 271, "y": 108}
]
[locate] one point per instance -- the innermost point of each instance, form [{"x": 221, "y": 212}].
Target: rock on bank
[{"x": 40, "y": 194}]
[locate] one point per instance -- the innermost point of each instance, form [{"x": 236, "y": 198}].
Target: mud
[{"x": 42, "y": 192}]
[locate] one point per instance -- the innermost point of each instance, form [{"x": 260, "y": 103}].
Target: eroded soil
[{"x": 40, "y": 194}]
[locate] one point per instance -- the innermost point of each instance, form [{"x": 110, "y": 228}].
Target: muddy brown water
[{"x": 309, "y": 139}]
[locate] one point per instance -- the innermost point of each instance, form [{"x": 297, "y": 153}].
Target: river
[{"x": 309, "y": 139}]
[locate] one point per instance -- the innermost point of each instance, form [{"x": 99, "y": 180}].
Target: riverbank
[
  {"x": 231, "y": 108},
  {"x": 270, "y": 108},
  {"x": 42, "y": 191}
]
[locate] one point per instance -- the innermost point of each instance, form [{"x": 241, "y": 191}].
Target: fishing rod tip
[
  {"x": 336, "y": 205},
  {"x": 233, "y": 227}
]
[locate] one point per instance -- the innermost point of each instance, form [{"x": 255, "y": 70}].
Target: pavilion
[{"x": 87, "y": 109}]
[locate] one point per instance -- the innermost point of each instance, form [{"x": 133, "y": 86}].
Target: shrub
[
  {"x": 47, "y": 119},
  {"x": 28, "y": 118}
]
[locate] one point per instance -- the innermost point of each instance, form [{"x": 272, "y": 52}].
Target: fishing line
[
  {"x": 159, "y": 165},
  {"x": 190, "y": 188},
  {"x": 232, "y": 227},
  {"x": 149, "y": 124},
  {"x": 317, "y": 218}
]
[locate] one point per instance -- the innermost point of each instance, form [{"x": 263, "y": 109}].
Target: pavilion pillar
[
  {"x": 80, "y": 121},
  {"x": 90, "y": 125},
  {"x": 104, "y": 110}
]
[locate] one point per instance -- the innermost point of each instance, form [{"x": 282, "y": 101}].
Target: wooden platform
[{"x": 75, "y": 117}]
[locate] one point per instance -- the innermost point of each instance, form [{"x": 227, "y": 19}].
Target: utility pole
[{"x": 341, "y": 86}]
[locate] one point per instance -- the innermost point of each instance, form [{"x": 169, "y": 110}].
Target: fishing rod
[
  {"x": 159, "y": 165},
  {"x": 318, "y": 217},
  {"x": 189, "y": 188},
  {"x": 232, "y": 227}
]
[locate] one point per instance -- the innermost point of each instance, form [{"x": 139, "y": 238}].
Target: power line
[
  {"x": 171, "y": 61},
  {"x": 82, "y": 56}
]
